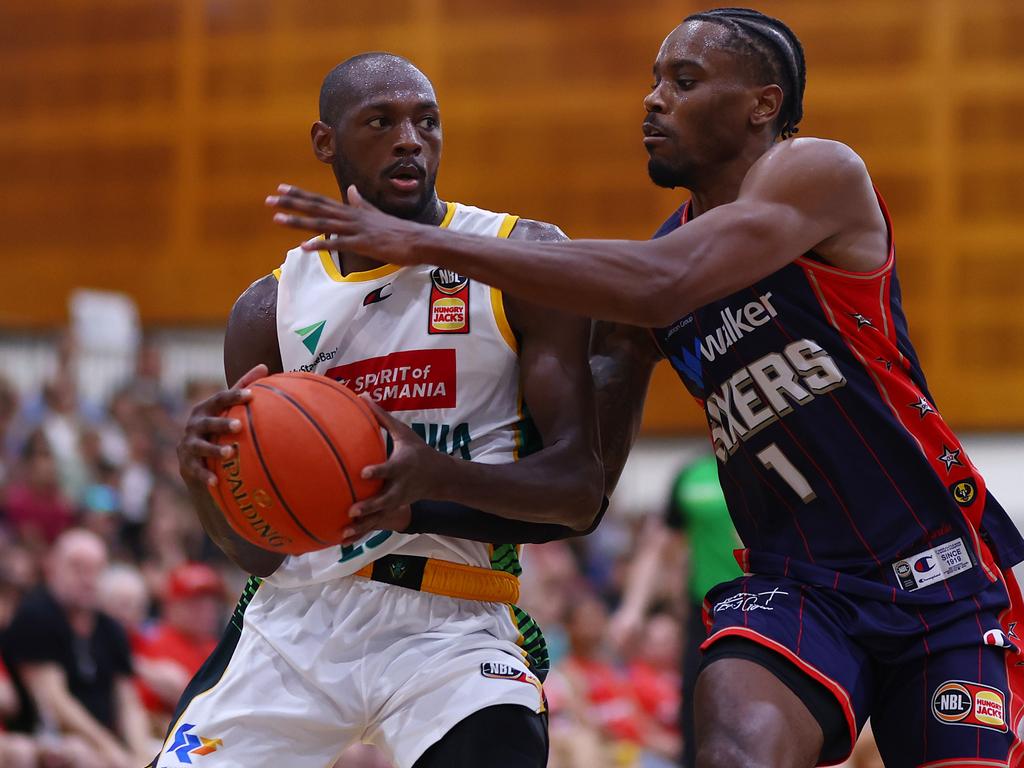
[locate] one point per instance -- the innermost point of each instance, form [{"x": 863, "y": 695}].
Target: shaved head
[
  {"x": 361, "y": 77},
  {"x": 380, "y": 130}
]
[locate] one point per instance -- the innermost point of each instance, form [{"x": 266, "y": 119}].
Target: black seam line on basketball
[
  {"x": 327, "y": 440},
  {"x": 351, "y": 396},
  {"x": 266, "y": 471}
]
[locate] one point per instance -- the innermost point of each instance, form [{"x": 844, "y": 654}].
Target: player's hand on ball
[
  {"x": 205, "y": 423},
  {"x": 412, "y": 472},
  {"x": 355, "y": 226}
]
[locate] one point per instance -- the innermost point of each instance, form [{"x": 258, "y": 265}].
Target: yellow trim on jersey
[
  {"x": 277, "y": 274},
  {"x": 501, "y": 320},
  {"x": 506, "y": 226},
  {"x": 497, "y": 301},
  {"x": 448, "y": 215},
  {"x": 354, "y": 277},
  {"x": 371, "y": 274}
]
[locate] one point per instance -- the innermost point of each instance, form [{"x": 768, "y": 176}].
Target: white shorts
[{"x": 320, "y": 667}]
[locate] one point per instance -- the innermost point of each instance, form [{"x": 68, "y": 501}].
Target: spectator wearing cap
[{"x": 193, "y": 612}]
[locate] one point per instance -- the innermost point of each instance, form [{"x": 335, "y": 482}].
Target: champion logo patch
[{"x": 377, "y": 295}]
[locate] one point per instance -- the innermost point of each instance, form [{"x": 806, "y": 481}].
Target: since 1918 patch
[
  {"x": 958, "y": 702},
  {"x": 449, "y": 302}
]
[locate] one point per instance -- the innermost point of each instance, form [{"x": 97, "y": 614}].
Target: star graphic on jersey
[
  {"x": 923, "y": 406},
  {"x": 951, "y": 458},
  {"x": 1011, "y": 630},
  {"x": 886, "y": 363},
  {"x": 861, "y": 320}
]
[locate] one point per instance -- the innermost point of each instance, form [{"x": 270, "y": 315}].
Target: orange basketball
[{"x": 304, "y": 442}]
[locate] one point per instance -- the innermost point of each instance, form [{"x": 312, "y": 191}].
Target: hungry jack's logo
[{"x": 449, "y": 302}]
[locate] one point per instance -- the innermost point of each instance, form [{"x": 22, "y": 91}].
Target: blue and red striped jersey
[{"x": 836, "y": 463}]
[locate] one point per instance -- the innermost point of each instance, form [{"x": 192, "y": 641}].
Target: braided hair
[{"x": 775, "y": 52}]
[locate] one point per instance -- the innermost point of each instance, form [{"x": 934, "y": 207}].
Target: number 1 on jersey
[{"x": 773, "y": 458}]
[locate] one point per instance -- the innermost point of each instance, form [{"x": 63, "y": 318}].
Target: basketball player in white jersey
[{"x": 407, "y": 640}]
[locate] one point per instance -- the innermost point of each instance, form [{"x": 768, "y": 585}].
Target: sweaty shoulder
[
  {"x": 537, "y": 231},
  {"x": 827, "y": 182},
  {"x": 809, "y": 161}
]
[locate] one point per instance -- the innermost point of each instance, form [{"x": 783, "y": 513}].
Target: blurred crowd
[{"x": 111, "y": 596}]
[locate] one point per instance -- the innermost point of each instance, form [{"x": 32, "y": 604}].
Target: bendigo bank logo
[
  {"x": 449, "y": 302},
  {"x": 248, "y": 504},
  {"x": 958, "y": 702}
]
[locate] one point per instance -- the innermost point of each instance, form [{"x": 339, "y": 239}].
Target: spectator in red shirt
[{"x": 193, "y": 612}]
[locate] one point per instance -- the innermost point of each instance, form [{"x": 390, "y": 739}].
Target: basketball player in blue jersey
[
  {"x": 876, "y": 562},
  {"x": 410, "y": 641}
]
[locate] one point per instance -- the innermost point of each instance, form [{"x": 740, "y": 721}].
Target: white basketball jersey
[{"x": 430, "y": 346}]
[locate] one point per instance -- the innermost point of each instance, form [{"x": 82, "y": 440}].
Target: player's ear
[
  {"x": 323, "y": 141},
  {"x": 766, "y": 109}
]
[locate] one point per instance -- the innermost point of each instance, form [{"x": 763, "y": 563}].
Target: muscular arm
[
  {"x": 795, "y": 199},
  {"x": 250, "y": 340},
  {"x": 801, "y": 195},
  {"x": 622, "y": 358}
]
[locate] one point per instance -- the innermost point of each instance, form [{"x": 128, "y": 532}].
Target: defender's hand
[
  {"x": 205, "y": 423},
  {"x": 414, "y": 471},
  {"x": 354, "y": 226}
]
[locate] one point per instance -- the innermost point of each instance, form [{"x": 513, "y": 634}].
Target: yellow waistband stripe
[{"x": 465, "y": 582}]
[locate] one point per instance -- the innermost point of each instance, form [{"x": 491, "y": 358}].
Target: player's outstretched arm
[
  {"x": 250, "y": 352},
  {"x": 802, "y": 194}
]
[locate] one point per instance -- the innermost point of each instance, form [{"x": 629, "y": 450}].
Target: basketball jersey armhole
[
  {"x": 498, "y": 298},
  {"x": 808, "y": 261}
]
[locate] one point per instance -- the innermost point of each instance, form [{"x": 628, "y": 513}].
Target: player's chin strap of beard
[{"x": 450, "y": 519}]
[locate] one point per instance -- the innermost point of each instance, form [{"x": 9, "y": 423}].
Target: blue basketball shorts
[{"x": 942, "y": 684}]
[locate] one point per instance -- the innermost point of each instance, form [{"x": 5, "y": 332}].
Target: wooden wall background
[{"x": 138, "y": 139}]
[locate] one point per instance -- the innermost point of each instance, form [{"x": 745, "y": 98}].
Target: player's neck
[
  {"x": 721, "y": 185},
  {"x": 354, "y": 262}
]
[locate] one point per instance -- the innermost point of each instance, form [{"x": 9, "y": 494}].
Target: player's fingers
[
  {"x": 197, "y": 470},
  {"x": 223, "y": 400},
  {"x": 355, "y": 199},
  {"x": 389, "y": 422},
  {"x": 298, "y": 205},
  {"x": 333, "y": 224},
  {"x": 196, "y": 446},
  {"x": 340, "y": 242},
  {"x": 290, "y": 191},
  {"x": 254, "y": 373},
  {"x": 383, "y": 471},
  {"x": 214, "y": 425},
  {"x": 389, "y": 498},
  {"x": 359, "y": 528}
]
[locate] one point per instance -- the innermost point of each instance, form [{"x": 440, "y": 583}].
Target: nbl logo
[{"x": 448, "y": 281}]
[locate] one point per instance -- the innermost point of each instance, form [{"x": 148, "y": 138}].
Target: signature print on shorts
[{"x": 750, "y": 601}]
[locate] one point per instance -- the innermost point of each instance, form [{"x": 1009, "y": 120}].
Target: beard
[
  {"x": 374, "y": 193},
  {"x": 665, "y": 174}
]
